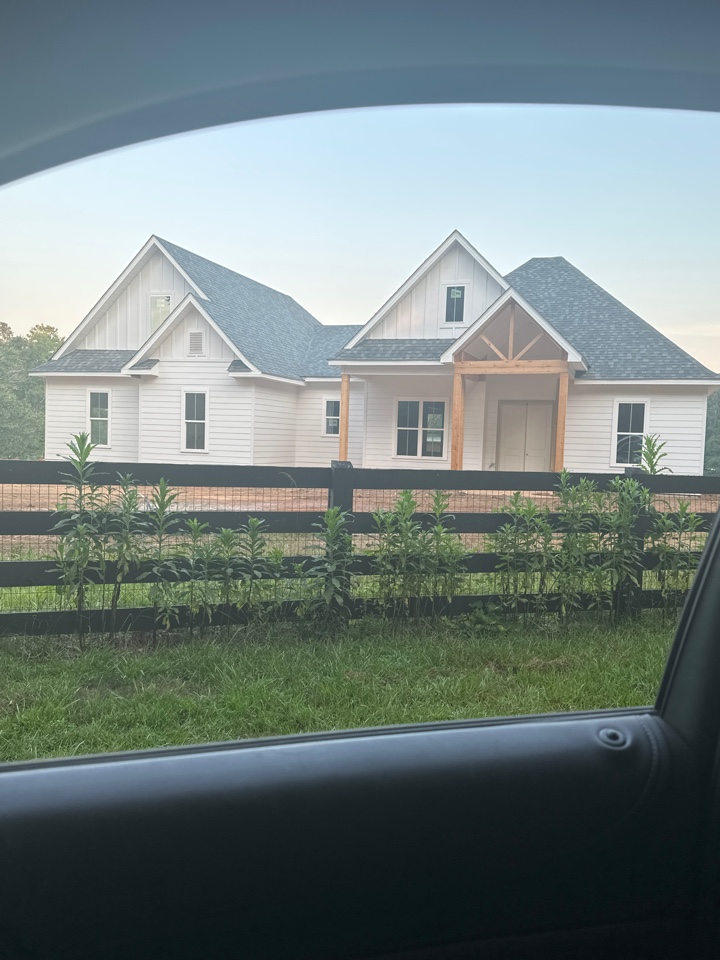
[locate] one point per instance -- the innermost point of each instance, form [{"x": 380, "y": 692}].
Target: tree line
[{"x": 22, "y": 397}]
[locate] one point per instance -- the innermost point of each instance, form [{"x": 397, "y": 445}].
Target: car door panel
[{"x": 469, "y": 836}]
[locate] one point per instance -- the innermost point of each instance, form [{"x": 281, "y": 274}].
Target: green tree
[
  {"x": 712, "y": 435},
  {"x": 22, "y": 397}
]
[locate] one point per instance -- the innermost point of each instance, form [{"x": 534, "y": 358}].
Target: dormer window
[
  {"x": 196, "y": 343},
  {"x": 160, "y": 304},
  {"x": 455, "y": 304}
]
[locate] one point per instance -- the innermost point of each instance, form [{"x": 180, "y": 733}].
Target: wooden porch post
[
  {"x": 559, "y": 458},
  {"x": 458, "y": 422},
  {"x": 344, "y": 415}
]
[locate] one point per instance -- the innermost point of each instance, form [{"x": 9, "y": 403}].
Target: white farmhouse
[{"x": 183, "y": 360}]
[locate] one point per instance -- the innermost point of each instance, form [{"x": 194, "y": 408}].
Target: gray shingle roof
[
  {"x": 237, "y": 366},
  {"x": 395, "y": 350},
  {"x": 145, "y": 364},
  {"x": 615, "y": 342},
  {"x": 268, "y": 327},
  {"x": 88, "y": 361},
  {"x": 323, "y": 346}
]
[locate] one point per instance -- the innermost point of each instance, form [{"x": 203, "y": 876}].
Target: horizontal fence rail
[{"x": 351, "y": 489}]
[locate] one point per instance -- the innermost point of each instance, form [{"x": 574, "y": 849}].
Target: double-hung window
[
  {"x": 195, "y": 421},
  {"x": 455, "y": 304},
  {"x": 99, "y": 416},
  {"x": 630, "y": 428},
  {"x": 420, "y": 428},
  {"x": 331, "y": 420}
]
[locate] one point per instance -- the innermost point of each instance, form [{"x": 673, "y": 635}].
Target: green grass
[{"x": 56, "y": 700}]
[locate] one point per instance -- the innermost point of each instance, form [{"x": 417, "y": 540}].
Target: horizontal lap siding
[
  {"x": 274, "y": 424},
  {"x": 312, "y": 449},
  {"x": 382, "y": 394},
  {"x": 66, "y": 414},
  {"x": 230, "y": 413},
  {"x": 677, "y": 415}
]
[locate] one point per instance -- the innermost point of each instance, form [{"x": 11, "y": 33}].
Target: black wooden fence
[{"x": 477, "y": 498}]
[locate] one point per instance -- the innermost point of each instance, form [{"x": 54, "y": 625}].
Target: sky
[{"x": 338, "y": 209}]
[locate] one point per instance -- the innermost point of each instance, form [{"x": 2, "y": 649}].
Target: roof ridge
[{"x": 221, "y": 266}]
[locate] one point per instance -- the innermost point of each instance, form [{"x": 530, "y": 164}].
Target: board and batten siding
[
  {"x": 66, "y": 415},
  {"x": 175, "y": 345},
  {"x": 380, "y": 428},
  {"x": 676, "y": 414},
  {"x": 229, "y": 413},
  {"x": 312, "y": 449},
  {"x": 420, "y": 314},
  {"x": 125, "y": 325}
]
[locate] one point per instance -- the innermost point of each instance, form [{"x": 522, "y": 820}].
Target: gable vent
[{"x": 196, "y": 344}]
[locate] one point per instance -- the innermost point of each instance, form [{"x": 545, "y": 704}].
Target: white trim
[
  {"x": 203, "y": 341},
  {"x": 643, "y": 383},
  {"x": 135, "y": 264},
  {"x": 613, "y": 440},
  {"x": 256, "y": 375},
  {"x": 334, "y": 399},
  {"x": 80, "y": 374},
  {"x": 446, "y": 430},
  {"x": 442, "y": 312},
  {"x": 253, "y": 392},
  {"x": 159, "y": 293},
  {"x": 329, "y": 380},
  {"x": 425, "y": 267},
  {"x": 703, "y": 437},
  {"x": 108, "y": 391},
  {"x": 384, "y": 363},
  {"x": 171, "y": 321},
  {"x": 489, "y": 314},
  {"x": 186, "y": 277},
  {"x": 183, "y": 393}
]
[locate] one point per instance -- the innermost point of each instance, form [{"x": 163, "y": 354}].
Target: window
[
  {"x": 195, "y": 421},
  {"x": 160, "y": 304},
  {"x": 99, "y": 406},
  {"x": 196, "y": 343},
  {"x": 630, "y": 430},
  {"x": 455, "y": 305},
  {"x": 420, "y": 428},
  {"x": 331, "y": 424}
]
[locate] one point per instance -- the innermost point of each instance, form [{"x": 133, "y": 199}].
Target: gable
[
  {"x": 182, "y": 341},
  {"x": 511, "y": 329},
  {"x": 121, "y": 319},
  {"x": 171, "y": 341},
  {"x": 417, "y": 310}
]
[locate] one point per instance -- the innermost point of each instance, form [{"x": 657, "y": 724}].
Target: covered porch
[
  {"x": 496, "y": 398},
  {"x": 527, "y": 368}
]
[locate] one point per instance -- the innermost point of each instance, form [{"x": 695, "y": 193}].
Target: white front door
[{"x": 525, "y": 435}]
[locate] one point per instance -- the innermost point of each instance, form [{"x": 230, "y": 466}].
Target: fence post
[
  {"x": 342, "y": 488},
  {"x": 633, "y": 592}
]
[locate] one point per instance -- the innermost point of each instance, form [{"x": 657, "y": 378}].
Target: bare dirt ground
[{"x": 44, "y": 497}]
